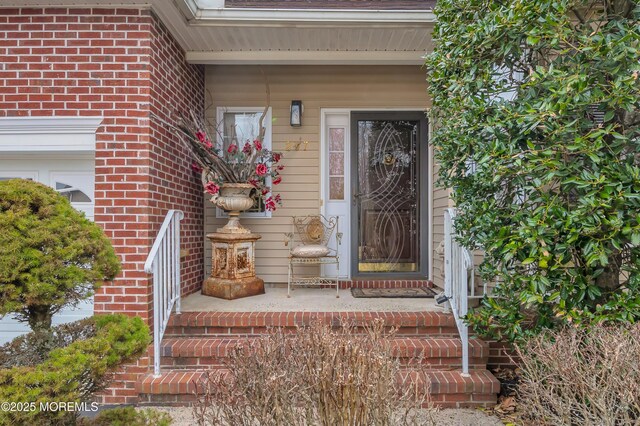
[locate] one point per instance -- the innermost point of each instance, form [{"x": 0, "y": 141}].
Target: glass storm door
[{"x": 389, "y": 153}]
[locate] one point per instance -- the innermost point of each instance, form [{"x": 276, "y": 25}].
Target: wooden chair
[{"x": 314, "y": 240}]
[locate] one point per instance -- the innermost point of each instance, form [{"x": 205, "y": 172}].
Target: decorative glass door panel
[{"x": 386, "y": 205}]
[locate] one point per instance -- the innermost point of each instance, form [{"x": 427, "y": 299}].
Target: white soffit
[
  {"x": 48, "y": 134},
  {"x": 219, "y": 35}
]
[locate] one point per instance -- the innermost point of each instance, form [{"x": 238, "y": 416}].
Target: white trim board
[
  {"x": 303, "y": 57},
  {"x": 48, "y": 134}
]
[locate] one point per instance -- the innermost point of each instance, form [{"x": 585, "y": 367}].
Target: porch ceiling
[{"x": 211, "y": 34}]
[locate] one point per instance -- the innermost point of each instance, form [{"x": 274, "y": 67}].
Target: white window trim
[
  {"x": 266, "y": 143},
  {"x": 48, "y": 134}
]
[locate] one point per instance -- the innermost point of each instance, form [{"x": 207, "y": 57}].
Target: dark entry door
[{"x": 389, "y": 199}]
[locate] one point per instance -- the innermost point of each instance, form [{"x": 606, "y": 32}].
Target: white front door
[
  {"x": 335, "y": 185},
  {"x": 74, "y": 178}
]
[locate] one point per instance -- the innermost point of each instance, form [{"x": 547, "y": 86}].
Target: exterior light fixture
[{"x": 296, "y": 113}]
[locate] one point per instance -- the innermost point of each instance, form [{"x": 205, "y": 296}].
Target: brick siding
[
  {"x": 121, "y": 64},
  {"x": 176, "y": 86},
  {"x": 501, "y": 355}
]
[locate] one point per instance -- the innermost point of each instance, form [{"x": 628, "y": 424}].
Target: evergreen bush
[
  {"x": 51, "y": 255},
  {"x": 71, "y": 374}
]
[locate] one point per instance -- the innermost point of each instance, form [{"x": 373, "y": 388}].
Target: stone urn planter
[
  {"x": 235, "y": 198},
  {"x": 233, "y": 248}
]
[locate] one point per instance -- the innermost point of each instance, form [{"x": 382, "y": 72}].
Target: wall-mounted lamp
[{"x": 296, "y": 113}]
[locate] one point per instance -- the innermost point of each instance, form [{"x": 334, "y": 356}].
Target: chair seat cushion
[{"x": 310, "y": 250}]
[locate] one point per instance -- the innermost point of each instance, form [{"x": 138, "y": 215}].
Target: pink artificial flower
[
  {"x": 277, "y": 180},
  {"x": 258, "y": 145},
  {"x": 278, "y": 199},
  {"x": 201, "y": 136},
  {"x": 261, "y": 169},
  {"x": 232, "y": 149},
  {"x": 254, "y": 183},
  {"x": 212, "y": 188},
  {"x": 269, "y": 204},
  {"x": 280, "y": 167},
  {"x": 196, "y": 167},
  {"x": 247, "y": 148},
  {"x": 208, "y": 144},
  {"x": 275, "y": 157}
]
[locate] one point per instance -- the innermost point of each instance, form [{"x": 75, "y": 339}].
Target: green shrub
[
  {"x": 72, "y": 373},
  {"x": 33, "y": 348},
  {"x": 537, "y": 131},
  {"x": 51, "y": 256},
  {"x": 128, "y": 416}
]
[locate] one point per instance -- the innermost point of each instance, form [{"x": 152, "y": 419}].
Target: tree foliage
[
  {"x": 537, "y": 114},
  {"x": 51, "y": 256}
]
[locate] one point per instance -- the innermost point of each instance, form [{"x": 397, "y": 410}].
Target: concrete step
[
  {"x": 448, "y": 388},
  {"x": 208, "y": 324},
  {"x": 437, "y": 353}
]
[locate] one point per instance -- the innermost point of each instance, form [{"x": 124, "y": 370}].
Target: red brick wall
[
  {"x": 176, "y": 86},
  {"x": 111, "y": 63},
  {"x": 501, "y": 355}
]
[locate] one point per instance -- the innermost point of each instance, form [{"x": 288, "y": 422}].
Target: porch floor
[{"x": 306, "y": 300}]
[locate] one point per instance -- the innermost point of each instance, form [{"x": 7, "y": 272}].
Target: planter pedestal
[{"x": 233, "y": 273}]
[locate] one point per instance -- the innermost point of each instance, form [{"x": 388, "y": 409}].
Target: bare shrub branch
[
  {"x": 316, "y": 376},
  {"x": 582, "y": 377}
]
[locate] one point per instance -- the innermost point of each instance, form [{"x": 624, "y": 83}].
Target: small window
[
  {"x": 336, "y": 163},
  {"x": 73, "y": 194},
  {"x": 236, "y": 126}
]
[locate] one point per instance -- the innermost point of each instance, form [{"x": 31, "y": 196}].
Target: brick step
[
  {"x": 345, "y": 284},
  {"x": 448, "y": 388},
  {"x": 421, "y": 323},
  {"x": 441, "y": 353}
]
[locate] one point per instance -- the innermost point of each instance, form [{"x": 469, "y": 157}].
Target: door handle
[{"x": 355, "y": 197}]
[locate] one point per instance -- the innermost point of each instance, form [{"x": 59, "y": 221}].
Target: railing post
[
  {"x": 456, "y": 283},
  {"x": 164, "y": 263},
  {"x": 156, "y": 322},
  {"x": 177, "y": 263},
  {"x": 447, "y": 259}
]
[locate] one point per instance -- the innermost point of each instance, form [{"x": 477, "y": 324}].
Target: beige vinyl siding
[
  {"x": 354, "y": 87},
  {"x": 441, "y": 201}
]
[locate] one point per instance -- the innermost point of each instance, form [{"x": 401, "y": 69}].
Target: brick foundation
[{"x": 501, "y": 355}]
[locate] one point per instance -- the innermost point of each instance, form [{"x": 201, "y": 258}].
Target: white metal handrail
[
  {"x": 458, "y": 266},
  {"x": 164, "y": 263}
]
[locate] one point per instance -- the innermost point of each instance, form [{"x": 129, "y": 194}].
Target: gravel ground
[{"x": 448, "y": 417}]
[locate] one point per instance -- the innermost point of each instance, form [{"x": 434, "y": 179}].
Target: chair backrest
[{"x": 315, "y": 229}]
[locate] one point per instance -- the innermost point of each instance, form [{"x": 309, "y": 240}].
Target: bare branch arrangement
[{"x": 250, "y": 163}]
